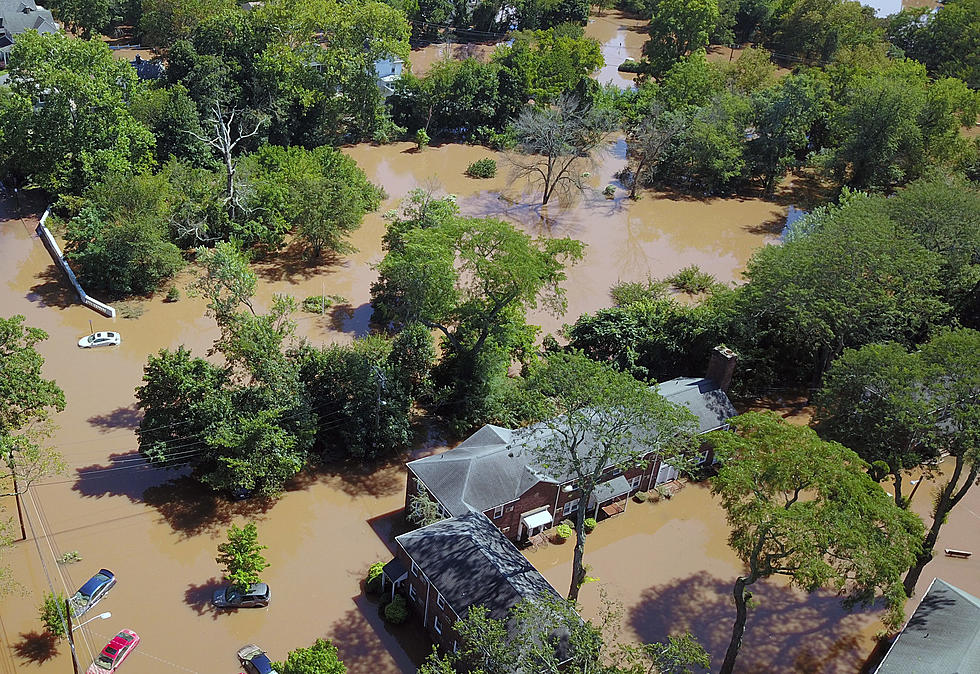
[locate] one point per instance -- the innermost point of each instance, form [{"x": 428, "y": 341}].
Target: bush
[
  {"x": 372, "y": 585},
  {"x": 589, "y": 524},
  {"x": 626, "y": 293},
  {"x": 173, "y": 294},
  {"x": 664, "y": 491},
  {"x": 692, "y": 280},
  {"x": 397, "y": 611},
  {"x": 53, "y": 614},
  {"x": 629, "y": 66},
  {"x": 482, "y": 168},
  {"x": 563, "y": 532},
  {"x": 314, "y": 304},
  {"x": 421, "y": 138},
  {"x": 70, "y": 557},
  {"x": 610, "y": 191},
  {"x": 641, "y": 497}
]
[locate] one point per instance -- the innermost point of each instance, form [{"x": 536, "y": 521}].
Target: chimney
[{"x": 721, "y": 367}]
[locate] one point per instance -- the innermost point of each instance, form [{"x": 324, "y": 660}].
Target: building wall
[{"x": 424, "y": 590}]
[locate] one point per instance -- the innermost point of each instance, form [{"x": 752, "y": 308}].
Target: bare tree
[
  {"x": 555, "y": 142},
  {"x": 648, "y": 140},
  {"x": 227, "y": 136}
]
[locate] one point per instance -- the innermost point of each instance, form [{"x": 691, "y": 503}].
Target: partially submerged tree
[
  {"x": 650, "y": 140},
  {"x": 241, "y": 557},
  {"x": 320, "y": 658},
  {"x": 594, "y": 419},
  {"x": 556, "y": 144},
  {"x": 806, "y": 509}
]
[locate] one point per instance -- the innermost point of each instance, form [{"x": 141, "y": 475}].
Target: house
[
  {"x": 387, "y": 70},
  {"x": 148, "y": 69},
  {"x": 941, "y": 637},
  {"x": 491, "y": 473},
  {"x": 448, "y": 567},
  {"x": 18, "y": 16}
]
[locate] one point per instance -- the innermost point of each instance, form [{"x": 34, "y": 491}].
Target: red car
[{"x": 114, "y": 653}]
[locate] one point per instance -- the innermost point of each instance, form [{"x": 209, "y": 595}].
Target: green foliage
[
  {"x": 641, "y": 497},
  {"x": 372, "y": 584},
  {"x": 680, "y": 654},
  {"x": 85, "y": 129},
  {"x": 53, "y": 616},
  {"x": 163, "y": 22},
  {"x": 563, "y": 532},
  {"x": 316, "y": 304},
  {"x": 846, "y": 534},
  {"x": 677, "y": 28},
  {"x": 396, "y": 612},
  {"x": 692, "y": 280},
  {"x": 421, "y": 139},
  {"x": 84, "y": 16},
  {"x": 241, "y": 557},
  {"x": 482, "y": 168},
  {"x": 819, "y": 29},
  {"x": 590, "y": 524},
  {"x": 70, "y": 557},
  {"x": 320, "y": 658},
  {"x": 26, "y": 398},
  {"x": 945, "y": 41},
  {"x": 423, "y": 510}
]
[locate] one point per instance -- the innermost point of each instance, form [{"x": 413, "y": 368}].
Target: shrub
[
  {"x": 626, "y": 293},
  {"x": 397, "y": 611},
  {"x": 372, "y": 585},
  {"x": 664, "y": 491},
  {"x": 610, "y": 191},
  {"x": 421, "y": 138},
  {"x": 173, "y": 294},
  {"x": 53, "y": 614},
  {"x": 314, "y": 304},
  {"x": 629, "y": 66},
  {"x": 482, "y": 168},
  {"x": 70, "y": 557},
  {"x": 589, "y": 524},
  {"x": 692, "y": 280},
  {"x": 563, "y": 532},
  {"x": 640, "y": 496}
]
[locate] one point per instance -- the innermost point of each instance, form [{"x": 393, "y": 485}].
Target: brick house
[
  {"x": 490, "y": 472},
  {"x": 447, "y": 567}
]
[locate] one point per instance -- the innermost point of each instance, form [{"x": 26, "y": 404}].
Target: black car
[{"x": 257, "y": 596}]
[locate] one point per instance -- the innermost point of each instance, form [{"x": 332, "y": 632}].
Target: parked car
[
  {"x": 254, "y": 660},
  {"x": 114, "y": 653},
  {"x": 257, "y": 596},
  {"x": 92, "y": 592},
  {"x": 100, "y": 339}
]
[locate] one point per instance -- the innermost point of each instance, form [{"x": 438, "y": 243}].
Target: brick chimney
[{"x": 721, "y": 367}]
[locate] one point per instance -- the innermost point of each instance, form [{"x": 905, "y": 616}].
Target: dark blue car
[{"x": 92, "y": 592}]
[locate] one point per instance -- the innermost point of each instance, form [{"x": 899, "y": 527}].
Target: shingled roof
[
  {"x": 491, "y": 467},
  {"x": 941, "y": 637},
  {"x": 472, "y": 563},
  {"x": 18, "y": 16}
]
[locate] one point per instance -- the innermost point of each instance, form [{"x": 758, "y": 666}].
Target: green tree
[
  {"x": 163, "y": 22},
  {"x": 555, "y": 143},
  {"x": 545, "y": 64},
  {"x": 84, "y": 16},
  {"x": 677, "y": 28},
  {"x": 226, "y": 280},
  {"x": 85, "y": 128},
  {"x": 26, "y": 397},
  {"x": 805, "y": 509},
  {"x": 947, "y": 42},
  {"x": 680, "y": 654},
  {"x": 53, "y": 616},
  {"x": 423, "y": 510},
  {"x": 649, "y": 141},
  {"x": 320, "y": 658},
  {"x": 817, "y": 29},
  {"x": 241, "y": 557},
  {"x": 596, "y": 419}
]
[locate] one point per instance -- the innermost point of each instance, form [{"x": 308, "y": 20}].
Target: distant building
[
  {"x": 148, "y": 69},
  {"x": 18, "y": 16},
  {"x": 941, "y": 637},
  {"x": 387, "y": 70}
]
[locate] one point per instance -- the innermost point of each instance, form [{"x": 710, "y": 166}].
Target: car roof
[
  {"x": 262, "y": 663},
  {"x": 95, "y": 582}
]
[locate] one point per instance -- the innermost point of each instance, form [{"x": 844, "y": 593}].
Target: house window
[
  {"x": 435, "y": 625},
  {"x": 440, "y": 601},
  {"x": 498, "y": 512},
  {"x": 703, "y": 457},
  {"x": 455, "y": 647},
  {"x": 412, "y": 593},
  {"x": 415, "y": 569},
  {"x": 635, "y": 482},
  {"x": 570, "y": 507}
]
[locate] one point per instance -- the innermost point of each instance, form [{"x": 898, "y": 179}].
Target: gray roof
[
  {"x": 17, "y": 16},
  {"x": 611, "y": 489},
  {"x": 471, "y": 563},
  {"x": 491, "y": 467},
  {"x": 941, "y": 637},
  {"x": 703, "y": 397}
]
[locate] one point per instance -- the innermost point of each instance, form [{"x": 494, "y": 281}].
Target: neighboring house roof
[
  {"x": 471, "y": 563},
  {"x": 941, "y": 637},
  {"x": 18, "y": 16},
  {"x": 491, "y": 466},
  {"x": 148, "y": 69}
]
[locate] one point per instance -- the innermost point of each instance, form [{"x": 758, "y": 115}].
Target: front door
[{"x": 666, "y": 473}]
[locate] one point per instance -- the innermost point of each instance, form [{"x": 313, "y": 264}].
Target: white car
[{"x": 100, "y": 339}]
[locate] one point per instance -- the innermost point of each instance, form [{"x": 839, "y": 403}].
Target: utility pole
[
  {"x": 20, "y": 513},
  {"x": 71, "y": 640}
]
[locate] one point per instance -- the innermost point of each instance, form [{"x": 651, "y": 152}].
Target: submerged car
[
  {"x": 100, "y": 339},
  {"x": 254, "y": 660},
  {"x": 257, "y": 596},
  {"x": 92, "y": 592},
  {"x": 117, "y": 650}
]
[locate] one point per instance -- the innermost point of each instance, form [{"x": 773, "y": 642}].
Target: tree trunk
[
  {"x": 897, "y": 476},
  {"x": 578, "y": 568},
  {"x": 738, "y": 627},
  {"x": 945, "y": 504}
]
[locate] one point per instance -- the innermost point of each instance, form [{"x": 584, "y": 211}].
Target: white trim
[
  {"x": 412, "y": 593},
  {"x": 498, "y": 512},
  {"x": 416, "y": 571},
  {"x": 440, "y": 602},
  {"x": 435, "y": 624},
  {"x": 570, "y": 507}
]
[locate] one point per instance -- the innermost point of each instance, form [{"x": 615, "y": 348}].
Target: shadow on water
[
  {"x": 125, "y": 474},
  {"x": 52, "y": 289},
  {"x": 378, "y": 479},
  {"x": 810, "y": 633},
  {"x": 191, "y": 508},
  {"x": 121, "y": 417},
  {"x": 355, "y": 320},
  {"x": 357, "y": 633},
  {"x": 293, "y": 264},
  {"x": 36, "y": 647},
  {"x": 198, "y": 597},
  {"x": 390, "y": 525}
]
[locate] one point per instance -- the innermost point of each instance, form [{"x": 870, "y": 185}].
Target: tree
[
  {"x": 227, "y": 281},
  {"x": 650, "y": 140},
  {"x": 163, "y": 22},
  {"x": 241, "y": 557},
  {"x": 805, "y": 509},
  {"x": 594, "y": 419},
  {"x": 85, "y": 128},
  {"x": 677, "y": 28},
  {"x": 952, "y": 362},
  {"x": 817, "y": 29},
  {"x": 53, "y": 616},
  {"x": 554, "y": 142},
  {"x": 680, "y": 654},
  {"x": 84, "y": 16},
  {"x": 320, "y": 658},
  {"x": 946, "y": 42}
]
